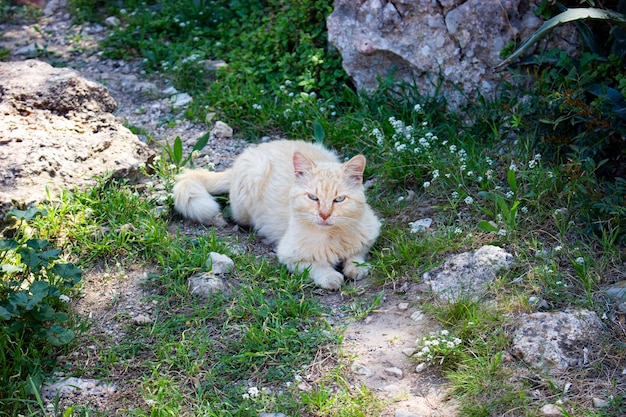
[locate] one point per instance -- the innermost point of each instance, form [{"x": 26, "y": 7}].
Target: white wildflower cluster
[
  {"x": 407, "y": 138},
  {"x": 535, "y": 161},
  {"x": 438, "y": 346}
]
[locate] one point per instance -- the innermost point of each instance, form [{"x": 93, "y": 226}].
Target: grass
[{"x": 481, "y": 174}]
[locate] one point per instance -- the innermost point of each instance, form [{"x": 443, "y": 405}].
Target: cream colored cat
[{"x": 297, "y": 195}]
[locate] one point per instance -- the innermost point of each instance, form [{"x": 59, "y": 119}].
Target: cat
[{"x": 299, "y": 197}]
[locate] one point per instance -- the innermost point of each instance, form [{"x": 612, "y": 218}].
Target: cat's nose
[{"x": 324, "y": 215}]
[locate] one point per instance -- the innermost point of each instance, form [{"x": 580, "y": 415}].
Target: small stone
[
  {"x": 391, "y": 388},
  {"x": 206, "y": 284},
  {"x": 142, "y": 319},
  {"x": 551, "y": 410},
  {"x": 29, "y": 50},
  {"x": 112, "y": 22},
  {"x": 170, "y": 91},
  {"x": 600, "y": 403},
  {"x": 181, "y": 100},
  {"x": 361, "y": 369},
  {"x": 220, "y": 264},
  {"x": 417, "y": 316},
  {"x": 421, "y": 225},
  {"x": 419, "y": 368},
  {"x": 394, "y": 371},
  {"x": 409, "y": 351},
  {"x": 403, "y": 306},
  {"x": 404, "y": 413},
  {"x": 222, "y": 131}
]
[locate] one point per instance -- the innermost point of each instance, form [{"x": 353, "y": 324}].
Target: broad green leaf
[
  {"x": 8, "y": 244},
  {"x": 44, "y": 313},
  {"x": 39, "y": 289},
  {"x": 201, "y": 143},
  {"x": 178, "y": 150},
  {"x": 485, "y": 226},
  {"x": 27, "y": 214},
  {"x": 68, "y": 272},
  {"x": 37, "y": 243},
  {"x": 59, "y": 336},
  {"x": 512, "y": 180},
  {"x": 4, "y": 314},
  {"x": 318, "y": 132},
  {"x": 570, "y": 15}
]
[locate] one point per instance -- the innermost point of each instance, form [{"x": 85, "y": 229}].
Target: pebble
[
  {"x": 404, "y": 413},
  {"x": 409, "y": 351},
  {"x": 551, "y": 410},
  {"x": 403, "y": 306},
  {"x": 418, "y": 316},
  {"x": 600, "y": 403},
  {"x": 394, "y": 371},
  {"x": 181, "y": 100},
  {"x": 391, "y": 388},
  {"x": 361, "y": 369},
  {"x": 419, "y": 368},
  {"x": 142, "y": 319},
  {"x": 219, "y": 263}
]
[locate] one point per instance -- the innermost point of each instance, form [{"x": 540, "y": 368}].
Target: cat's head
[{"x": 328, "y": 194}]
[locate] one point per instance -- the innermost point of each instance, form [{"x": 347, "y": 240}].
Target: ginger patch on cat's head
[{"x": 327, "y": 194}]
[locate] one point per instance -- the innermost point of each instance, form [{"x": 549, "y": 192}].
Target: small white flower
[
  {"x": 502, "y": 232},
  {"x": 435, "y": 174},
  {"x": 64, "y": 298},
  {"x": 524, "y": 209},
  {"x": 417, "y": 108},
  {"x": 469, "y": 200},
  {"x": 253, "y": 391},
  {"x": 509, "y": 194},
  {"x": 455, "y": 195},
  {"x": 513, "y": 167},
  {"x": 256, "y": 106},
  {"x": 426, "y": 184},
  {"x": 445, "y": 332},
  {"x": 580, "y": 260},
  {"x": 558, "y": 248}
]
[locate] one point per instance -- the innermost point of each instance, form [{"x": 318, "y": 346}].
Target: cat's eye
[
  {"x": 312, "y": 197},
  {"x": 339, "y": 199}
]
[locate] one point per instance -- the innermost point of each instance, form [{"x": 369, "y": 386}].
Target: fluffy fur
[{"x": 298, "y": 196}]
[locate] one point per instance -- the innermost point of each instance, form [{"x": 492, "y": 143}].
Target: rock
[
  {"x": 361, "y": 369},
  {"x": 391, "y": 388},
  {"x": 219, "y": 264},
  {"x": 30, "y": 50},
  {"x": 421, "y": 367},
  {"x": 395, "y": 372},
  {"x": 557, "y": 340},
  {"x": 418, "y": 316},
  {"x": 142, "y": 319},
  {"x": 457, "y": 42},
  {"x": 221, "y": 130},
  {"x": 551, "y": 410},
  {"x": 58, "y": 132},
  {"x": 181, "y": 100},
  {"x": 54, "y": 6},
  {"x": 112, "y": 22},
  {"x": 468, "y": 274},
  {"x": 206, "y": 284},
  {"x": 409, "y": 351},
  {"x": 419, "y": 226},
  {"x": 404, "y": 413},
  {"x": 616, "y": 292},
  {"x": 403, "y": 306},
  {"x": 72, "y": 384},
  {"x": 600, "y": 403}
]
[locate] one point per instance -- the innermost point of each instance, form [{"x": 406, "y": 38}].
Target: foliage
[
  {"x": 265, "y": 43},
  {"x": 34, "y": 288}
]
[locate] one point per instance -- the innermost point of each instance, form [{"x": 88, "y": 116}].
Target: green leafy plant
[
  {"x": 175, "y": 152},
  {"x": 34, "y": 288}
]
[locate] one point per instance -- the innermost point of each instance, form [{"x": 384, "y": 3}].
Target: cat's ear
[
  {"x": 354, "y": 169},
  {"x": 302, "y": 165}
]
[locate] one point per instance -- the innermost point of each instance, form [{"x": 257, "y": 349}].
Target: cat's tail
[{"x": 194, "y": 190}]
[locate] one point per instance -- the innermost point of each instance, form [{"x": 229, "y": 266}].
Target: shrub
[{"x": 34, "y": 288}]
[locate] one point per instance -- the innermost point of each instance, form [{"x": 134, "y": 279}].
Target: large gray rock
[
  {"x": 424, "y": 41},
  {"x": 58, "y": 132},
  {"x": 556, "y": 341},
  {"x": 467, "y": 275}
]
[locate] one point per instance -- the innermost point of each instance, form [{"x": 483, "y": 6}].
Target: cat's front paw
[
  {"x": 330, "y": 280},
  {"x": 355, "y": 270}
]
